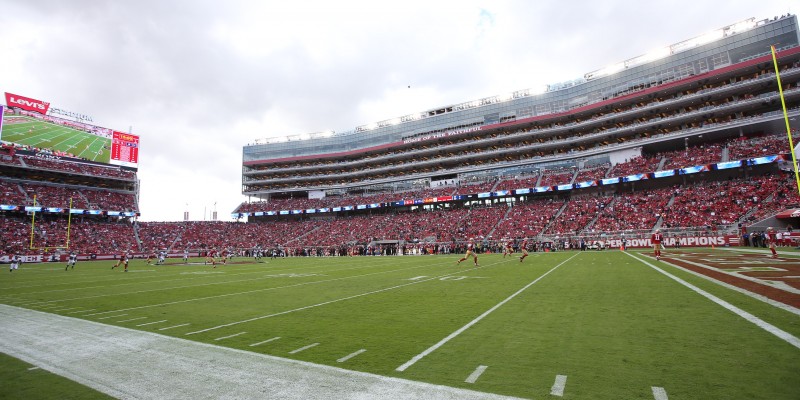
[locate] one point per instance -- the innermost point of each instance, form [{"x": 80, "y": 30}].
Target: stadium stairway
[
  {"x": 660, "y": 220},
  {"x": 574, "y": 176},
  {"x": 177, "y": 238},
  {"x": 499, "y": 221},
  {"x": 725, "y": 156},
  {"x": 661, "y": 164},
  {"x": 554, "y": 218},
  {"x": 139, "y": 243},
  {"x": 303, "y": 235},
  {"x": 539, "y": 179},
  {"x": 591, "y": 223}
]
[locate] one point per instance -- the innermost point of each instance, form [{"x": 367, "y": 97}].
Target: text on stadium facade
[{"x": 440, "y": 135}]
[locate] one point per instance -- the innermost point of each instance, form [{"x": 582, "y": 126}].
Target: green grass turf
[
  {"x": 19, "y": 382},
  {"x": 45, "y": 135},
  {"x": 612, "y": 324}
]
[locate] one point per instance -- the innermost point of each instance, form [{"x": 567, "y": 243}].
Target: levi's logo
[{"x": 22, "y": 102}]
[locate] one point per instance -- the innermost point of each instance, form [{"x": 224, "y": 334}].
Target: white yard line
[
  {"x": 558, "y": 386},
  {"x": 303, "y": 348},
  {"x": 332, "y": 301},
  {"x": 103, "y": 357},
  {"x": 230, "y": 336},
  {"x": 351, "y": 355},
  {"x": 442, "y": 342},
  {"x": 473, "y": 377},
  {"x": 659, "y": 393},
  {"x": 266, "y": 341},
  {"x": 113, "y": 316},
  {"x": 174, "y": 326},
  {"x": 781, "y": 334},
  {"x": 82, "y": 311},
  {"x": 258, "y": 270},
  {"x": 152, "y": 323},
  {"x": 132, "y": 319},
  {"x": 253, "y": 291}
]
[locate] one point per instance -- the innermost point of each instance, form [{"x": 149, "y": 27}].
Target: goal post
[{"x": 32, "y": 245}]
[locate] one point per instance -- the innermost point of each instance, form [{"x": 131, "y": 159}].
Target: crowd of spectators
[
  {"x": 11, "y": 193},
  {"x": 527, "y": 219},
  {"x": 561, "y": 176},
  {"x": 713, "y": 203},
  {"x": 519, "y": 182},
  {"x": 636, "y": 165},
  {"x": 630, "y": 211},
  {"x": 578, "y": 214},
  {"x": 696, "y": 155},
  {"x": 593, "y": 173},
  {"x": 53, "y": 196},
  {"x": 23, "y": 192},
  {"x": 760, "y": 146}
]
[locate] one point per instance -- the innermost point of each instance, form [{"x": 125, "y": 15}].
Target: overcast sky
[{"x": 198, "y": 80}]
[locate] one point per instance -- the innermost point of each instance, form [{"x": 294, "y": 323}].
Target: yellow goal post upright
[
  {"x": 33, "y": 228},
  {"x": 786, "y": 119}
]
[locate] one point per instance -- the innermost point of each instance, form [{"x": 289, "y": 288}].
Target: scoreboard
[{"x": 125, "y": 149}]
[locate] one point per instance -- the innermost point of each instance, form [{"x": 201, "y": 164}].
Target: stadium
[{"x": 340, "y": 276}]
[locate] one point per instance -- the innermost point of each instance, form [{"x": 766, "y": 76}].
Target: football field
[
  {"x": 45, "y": 135},
  {"x": 573, "y": 325}
]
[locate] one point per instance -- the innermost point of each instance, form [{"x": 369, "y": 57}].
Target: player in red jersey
[
  {"x": 470, "y": 253},
  {"x": 523, "y": 247},
  {"x": 655, "y": 240},
  {"x": 509, "y": 248},
  {"x": 123, "y": 259},
  {"x": 772, "y": 238},
  {"x": 210, "y": 258}
]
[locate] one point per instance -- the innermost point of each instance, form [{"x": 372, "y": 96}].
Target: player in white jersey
[
  {"x": 71, "y": 260},
  {"x": 185, "y": 256},
  {"x": 15, "y": 262},
  {"x": 162, "y": 255}
]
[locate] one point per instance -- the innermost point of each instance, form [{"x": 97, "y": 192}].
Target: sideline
[{"x": 131, "y": 364}]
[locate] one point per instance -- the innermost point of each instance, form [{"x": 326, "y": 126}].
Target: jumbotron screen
[{"x": 27, "y": 125}]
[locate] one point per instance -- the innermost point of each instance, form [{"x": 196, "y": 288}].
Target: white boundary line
[
  {"x": 659, "y": 393},
  {"x": 442, "y": 342},
  {"x": 559, "y": 385},
  {"x": 38, "y": 338},
  {"x": 781, "y": 334},
  {"x": 473, "y": 377},
  {"x": 303, "y": 348},
  {"x": 349, "y": 356},
  {"x": 333, "y": 301},
  {"x": 266, "y": 341}
]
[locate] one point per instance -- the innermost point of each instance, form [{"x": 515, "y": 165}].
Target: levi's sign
[{"x": 26, "y": 103}]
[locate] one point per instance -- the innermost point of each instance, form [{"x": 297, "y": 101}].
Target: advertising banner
[{"x": 26, "y": 103}]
